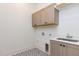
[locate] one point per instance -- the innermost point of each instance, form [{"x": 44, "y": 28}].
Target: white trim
[{"x": 61, "y": 5}]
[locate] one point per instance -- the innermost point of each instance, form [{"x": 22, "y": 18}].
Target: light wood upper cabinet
[
  {"x": 63, "y": 49},
  {"x": 46, "y": 16}
]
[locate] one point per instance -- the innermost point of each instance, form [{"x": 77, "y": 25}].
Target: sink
[{"x": 68, "y": 39}]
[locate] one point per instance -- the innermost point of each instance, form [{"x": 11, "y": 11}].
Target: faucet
[{"x": 68, "y": 36}]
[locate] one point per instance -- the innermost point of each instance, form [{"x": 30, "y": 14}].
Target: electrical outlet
[
  {"x": 50, "y": 34},
  {"x": 43, "y": 33}
]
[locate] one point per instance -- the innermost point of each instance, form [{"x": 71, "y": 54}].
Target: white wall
[
  {"x": 16, "y": 32},
  {"x": 68, "y": 23}
]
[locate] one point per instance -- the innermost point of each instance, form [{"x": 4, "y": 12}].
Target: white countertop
[{"x": 76, "y": 43}]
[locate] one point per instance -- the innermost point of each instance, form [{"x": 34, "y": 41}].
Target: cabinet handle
[
  {"x": 63, "y": 45},
  {"x": 60, "y": 44},
  {"x": 35, "y": 25},
  {"x": 45, "y": 22}
]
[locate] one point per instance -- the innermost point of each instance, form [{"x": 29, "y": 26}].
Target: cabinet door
[
  {"x": 36, "y": 18},
  {"x": 56, "y": 48},
  {"x": 43, "y": 17},
  {"x": 47, "y": 15},
  {"x": 72, "y": 50}
]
